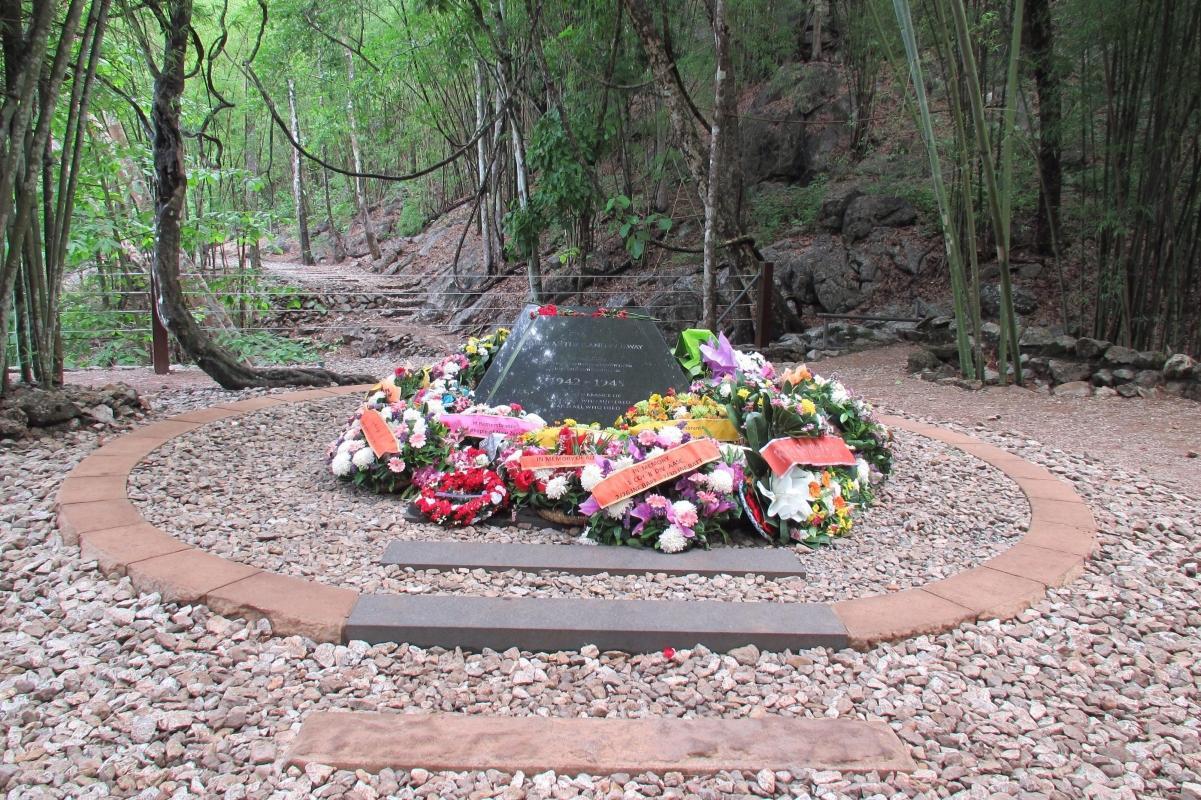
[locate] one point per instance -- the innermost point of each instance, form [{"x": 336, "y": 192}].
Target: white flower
[
  {"x": 481, "y": 460},
  {"x": 685, "y": 512},
  {"x": 732, "y": 453},
  {"x": 672, "y": 540},
  {"x": 450, "y": 368},
  {"x": 725, "y": 389},
  {"x": 748, "y": 362},
  {"x": 535, "y": 419},
  {"x": 618, "y": 509},
  {"x": 863, "y": 472},
  {"x": 556, "y": 487},
  {"x": 654, "y": 451},
  {"x": 623, "y": 462},
  {"x": 590, "y": 476},
  {"x": 386, "y": 414},
  {"x": 671, "y": 435},
  {"x": 839, "y": 393},
  {"x": 543, "y": 474},
  {"x": 789, "y": 495},
  {"x": 681, "y": 412},
  {"x": 341, "y": 465},
  {"x": 364, "y": 458},
  {"x": 411, "y": 415},
  {"x": 433, "y": 405},
  {"x": 419, "y": 427},
  {"x": 820, "y": 381},
  {"x": 721, "y": 481},
  {"x": 355, "y": 445}
]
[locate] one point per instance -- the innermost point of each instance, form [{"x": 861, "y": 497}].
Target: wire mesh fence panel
[{"x": 108, "y": 318}]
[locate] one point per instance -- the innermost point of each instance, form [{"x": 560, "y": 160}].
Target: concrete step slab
[
  {"x": 578, "y": 559},
  {"x": 597, "y": 746},
  {"x": 551, "y": 624}
]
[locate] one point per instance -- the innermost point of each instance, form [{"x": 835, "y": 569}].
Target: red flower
[
  {"x": 549, "y": 310},
  {"x": 669, "y": 653},
  {"x": 622, "y": 314},
  {"x": 522, "y": 479}
]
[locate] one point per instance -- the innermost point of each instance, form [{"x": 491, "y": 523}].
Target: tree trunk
[
  {"x": 723, "y": 105},
  {"x": 816, "y": 51},
  {"x": 1040, "y": 41},
  {"x": 298, "y": 196},
  {"x": 727, "y": 221},
  {"x": 32, "y": 84},
  {"x": 252, "y": 168},
  {"x": 360, "y": 187},
  {"x": 335, "y": 234},
  {"x": 534, "y": 266},
  {"x": 481, "y": 156},
  {"x": 170, "y": 189}
]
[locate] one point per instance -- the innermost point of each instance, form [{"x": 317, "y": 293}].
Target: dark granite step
[
  {"x": 550, "y": 624},
  {"x": 581, "y": 559}
]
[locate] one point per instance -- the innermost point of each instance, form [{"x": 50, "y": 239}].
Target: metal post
[
  {"x": 763, "y": 313},
  {"x": 159, "y": 356}
]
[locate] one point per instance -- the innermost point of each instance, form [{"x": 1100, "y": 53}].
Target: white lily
[{"x": 789, "y": 495}]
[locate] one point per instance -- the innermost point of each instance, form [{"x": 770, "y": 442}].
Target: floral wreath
[
  {"x": 736, "y": 398},
  {"x": 463, "y": 497}
]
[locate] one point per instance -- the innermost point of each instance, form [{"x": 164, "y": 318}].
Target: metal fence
[{"x": 747, "y": 304}]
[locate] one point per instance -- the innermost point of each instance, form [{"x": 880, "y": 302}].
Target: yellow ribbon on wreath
[{"x": 718, "y": 428}]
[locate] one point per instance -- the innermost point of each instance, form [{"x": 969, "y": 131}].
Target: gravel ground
[
  {"x": 1092, "y": 693},
  {"x": 278, "y": 508}
]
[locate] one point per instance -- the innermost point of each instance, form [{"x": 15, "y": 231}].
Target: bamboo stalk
[
  {"x": 995, "y": 204},
  {"x": 951, "y": 242}
]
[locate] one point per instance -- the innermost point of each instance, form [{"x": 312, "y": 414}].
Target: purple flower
[
  {"x": 720, "y": 359},
  {"x": 644, "y": 513},
  {"x": 589, "y": 506}
]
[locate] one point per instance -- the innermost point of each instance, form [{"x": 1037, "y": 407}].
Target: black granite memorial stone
[{"x": 590, "y": 369}]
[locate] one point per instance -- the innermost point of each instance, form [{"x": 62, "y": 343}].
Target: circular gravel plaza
[
  {"x": 1090, "y": 691},
  {"x": 276, "y": 508}
]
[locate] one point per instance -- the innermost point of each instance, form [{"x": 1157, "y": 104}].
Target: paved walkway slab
[
  {"x": 585, "y": 560},
  {"x": 558, "y": 623},
  {"x": 596, "y": 746}
]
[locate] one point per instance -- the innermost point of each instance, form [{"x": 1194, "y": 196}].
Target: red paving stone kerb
[{"x": 94, "y": 512}]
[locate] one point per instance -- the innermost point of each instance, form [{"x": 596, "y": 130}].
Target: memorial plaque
[{"x": 590, "y": 369}]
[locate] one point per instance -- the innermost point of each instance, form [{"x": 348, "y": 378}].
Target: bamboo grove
[{"x": 1065, "y": 130}]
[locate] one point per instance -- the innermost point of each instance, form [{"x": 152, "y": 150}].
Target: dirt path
[
  {"x": 349, "y": 277},
  {"x": 1152, "y": 436}
]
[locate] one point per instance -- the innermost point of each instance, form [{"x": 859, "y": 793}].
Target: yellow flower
[
  {"x": 807, "y": 406},
  {"x": 471, "y": 350},
  {"x": 744, "y": 393},
  {"x": 570, "y": 423}
]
